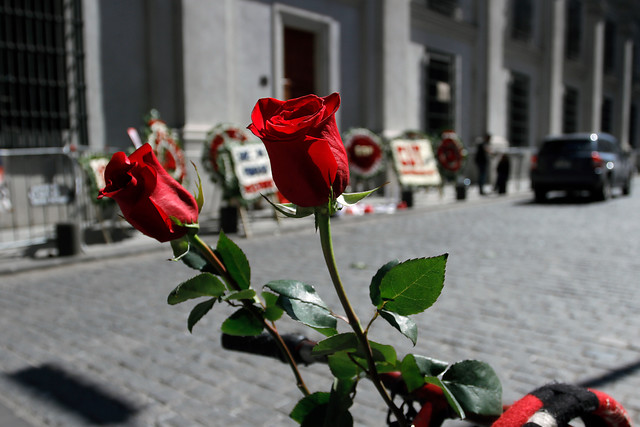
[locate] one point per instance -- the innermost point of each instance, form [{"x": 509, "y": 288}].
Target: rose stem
[
  {"x": 324, "y": 227},
  {"x": 273, "y": 331}
]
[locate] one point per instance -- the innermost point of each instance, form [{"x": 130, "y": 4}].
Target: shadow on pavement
[
  {"x": 74, "y": 394},
  {"x": 611, "y": 376}
]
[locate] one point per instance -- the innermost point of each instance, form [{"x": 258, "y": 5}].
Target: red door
[{"x": 299, "y": 63}]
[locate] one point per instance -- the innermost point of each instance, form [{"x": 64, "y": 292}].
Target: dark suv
[{"x": 581, "y": 161}]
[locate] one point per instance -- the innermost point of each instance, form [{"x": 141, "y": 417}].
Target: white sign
[
  {"x": 415, "y": 162},
  {"x": 49, "y": 194},
  {"x": 253, "y": 170}
]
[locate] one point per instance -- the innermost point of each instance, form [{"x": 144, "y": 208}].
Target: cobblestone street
[{"x": 542, "y": 292}]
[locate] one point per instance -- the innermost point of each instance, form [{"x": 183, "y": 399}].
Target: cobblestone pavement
[{"x": 541, "y": 292}]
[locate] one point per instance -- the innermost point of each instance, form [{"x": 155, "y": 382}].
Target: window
[
  {"x": 41, "y": 74},
  {"x": 606, "y": 123},
  {"x": 573, "y": 29},
  {"x": 444, "y": 7},
  {"x": 522, "y": 20},
  {"x": 518, "y": 104},
  {"x": 570, "y": 110},
  {"x": 609, "y": 47},
  {"x": 440, "y": 85}
]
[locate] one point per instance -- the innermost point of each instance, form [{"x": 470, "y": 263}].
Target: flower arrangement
[
  {"x": 166, "y": 146},
  {"x": 450, "y": 153},
  {"x": 310, "y": 168},
  {"x": 238, "y": 162},
  {"x": 365, "y": 151}
]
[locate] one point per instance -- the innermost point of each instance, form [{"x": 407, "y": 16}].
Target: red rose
[
  {"x": 148, "y": 196},
  {"x": 304, "y": 145}
]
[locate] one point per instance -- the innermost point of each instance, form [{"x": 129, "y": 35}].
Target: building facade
[
  {"x": 80, "y": 72},
  {"x": 519, "y": 69}
]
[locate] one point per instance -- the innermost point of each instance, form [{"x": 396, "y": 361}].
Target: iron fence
[{"x": 41, "y": 188}]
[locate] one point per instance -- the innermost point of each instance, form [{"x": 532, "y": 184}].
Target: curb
[{"x": 260, "y": 227}]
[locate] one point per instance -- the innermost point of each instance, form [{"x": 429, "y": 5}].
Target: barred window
[
  {"x": 522, "y": 20},
  {"x": 518, "y": 104},
  {"x": 440, "y": 92},
  {"x": 606, "y": 122},
  {"x": 41, "y": 76},
  {"x": 444, "y": 7},
  {"x": 570, "y": 110},
  {"x": 609, "y": 47},
  {"x": 633, "y": 126},
  {"x": 573, "y": 29}
]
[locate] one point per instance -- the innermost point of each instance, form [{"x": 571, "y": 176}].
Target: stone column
[
  {"x": 594, "y": 55},
  {"x": 624, "y": 89},
  {"x": 497, "y": 76},
  {"x": 396, "y": 28},
  {"x": 553, "y": 63}
]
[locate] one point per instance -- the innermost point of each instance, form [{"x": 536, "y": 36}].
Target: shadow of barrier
[
  {"x": 612, "y": 376},
  {"x": 74, "y": 394}
]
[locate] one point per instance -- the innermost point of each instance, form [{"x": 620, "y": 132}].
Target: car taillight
[
  {"x": 596, "y": 159},
  {"x": 534, "y": 162}
]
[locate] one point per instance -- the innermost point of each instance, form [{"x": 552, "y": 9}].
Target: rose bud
[
  {"x": 149, "y": 198},
  {"x": 308, "y": 158}
]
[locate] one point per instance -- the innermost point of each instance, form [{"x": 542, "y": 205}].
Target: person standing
[
  {"x": 502, "y": 174},
  {"x": 482, "y": 162}
]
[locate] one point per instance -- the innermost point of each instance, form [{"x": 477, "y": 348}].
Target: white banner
[
  {"x": 415, "y": 163},
  {"x": 253, "y": 170}
]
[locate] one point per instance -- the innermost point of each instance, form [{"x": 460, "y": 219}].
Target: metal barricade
[{"x": 40, "y": 189}]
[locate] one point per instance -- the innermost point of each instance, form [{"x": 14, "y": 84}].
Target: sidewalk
[{"x": 261, "y": 223}]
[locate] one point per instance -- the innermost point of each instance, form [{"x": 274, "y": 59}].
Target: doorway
[{"x": 299, "y": 63}]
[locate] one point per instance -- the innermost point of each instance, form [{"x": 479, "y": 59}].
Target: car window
[
  {"x": 566, "y": 146},
  {"x": 606, "y": 146}
]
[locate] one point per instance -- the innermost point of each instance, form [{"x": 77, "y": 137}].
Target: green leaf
[
  {"x": 342, "y": 366},
  {"x": 235, "y": 261},
  {"x": 340, "y": 342},
  {"x": 381, "y": 353},
  {"x": 243, "y": 294},
  {"x": 203, "y": 285},
  {"x": 308, "y": 404},
  {"x": 429, "y": 366},
  {"x": 302, "y": 303},
  {"x": 411, "y": 374},
  {"x": 290, "y": 210},
  {"x": 295, "y": 289},
  {"x": 183, "y": 252},
  {"x": 322, "y": 409},
  {"x": 309, "y": 314},
  {"x": 374, "y": 287},
  {"x": 348, "y": 342},
  {"x": 198, "y": 313},
  {"x": 453, "y": 402},
  {"x": 414, "y": 368},
  {"x": 404, "y": 324},
  {"x": 350, "y": 199},
  {"x": 476, "y": 386},
  {"x": 198, "y": 195},
  {"x": 242, "y": 323},
  {"x": 272, "y": 311},
  {"x": 413, "y": 286},
  {"x": 337, "y": 413}
]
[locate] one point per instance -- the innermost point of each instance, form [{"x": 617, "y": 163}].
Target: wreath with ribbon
[
  {"x": 450, "y": 153},
  {"x": 365, "y": 152},
  {"x": 166, "y": 146},
  {"x": 218, "y": 160},
  {"x": 94, "y": 166}
]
